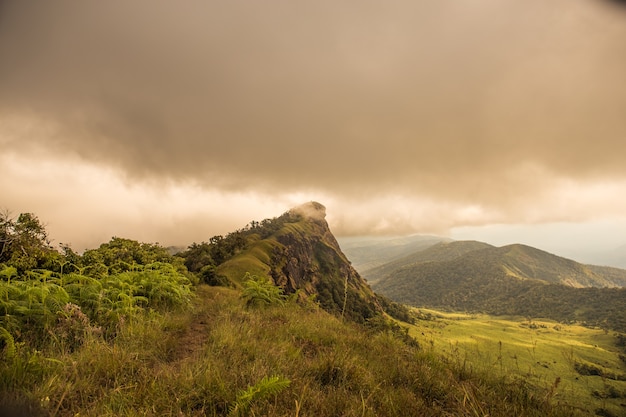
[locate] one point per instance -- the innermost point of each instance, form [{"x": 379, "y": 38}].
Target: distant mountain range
[
  {"x": 614, "y": 257},
  {"x": 366, "y": 253},
  {"x": 441, "y": 251},
  {"x": 513, "y": 279}
]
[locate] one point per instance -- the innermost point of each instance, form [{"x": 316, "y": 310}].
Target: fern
[
  {"x": 7, "y": 298},
  {"x": 260, "y": 291},
  {"x": 266, "y": 387},
  {"x": 9, "y": 344},
  {"x": 8, "y": 272},
  {"x": 57, "y": 298}
]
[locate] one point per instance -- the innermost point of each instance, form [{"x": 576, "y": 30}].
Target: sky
[{"x": 172, "y": 122}]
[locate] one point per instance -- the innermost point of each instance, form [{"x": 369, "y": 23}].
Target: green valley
[{"x": 577, "y": 365}]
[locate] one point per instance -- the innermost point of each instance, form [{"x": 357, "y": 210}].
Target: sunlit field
[{"x": 579, "y": 366}]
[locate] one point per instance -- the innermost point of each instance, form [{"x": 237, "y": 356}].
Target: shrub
[{"x": 260, "y": 291}]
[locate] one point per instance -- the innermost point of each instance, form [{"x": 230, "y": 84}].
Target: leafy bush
[{"x": 260, "y": 291}]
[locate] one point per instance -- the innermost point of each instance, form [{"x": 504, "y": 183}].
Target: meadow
[{"x": 579, "y": 366}]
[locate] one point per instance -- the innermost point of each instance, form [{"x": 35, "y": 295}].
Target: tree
[
  {"x": 120, "y": 255},
  {"x": 24, "y": 242}
]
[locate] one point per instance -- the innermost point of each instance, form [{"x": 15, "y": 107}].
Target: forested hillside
[
  {"x": 514, "y": 279},
  {"x": 442, "y": 251}
]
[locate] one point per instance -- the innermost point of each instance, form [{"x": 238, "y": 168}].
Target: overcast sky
[{"x": 172, "y": 122}]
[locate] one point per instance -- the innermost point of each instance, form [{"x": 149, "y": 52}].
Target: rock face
[
  {"x": 300, "y": 254},
  {"x": 308, "y": 258}
]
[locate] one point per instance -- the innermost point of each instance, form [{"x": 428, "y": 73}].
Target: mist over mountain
[
  {"x": 615, "y": 257},
  {"x": 370, "y": 252}
]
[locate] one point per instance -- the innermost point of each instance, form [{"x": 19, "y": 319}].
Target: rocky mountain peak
[{"x": 311, "y": 210}]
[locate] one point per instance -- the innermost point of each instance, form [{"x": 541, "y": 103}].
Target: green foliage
[
  {"x": 24, "y": 242},
  {"x": 123, "y": 255},
  {"x": 7, "y": 272},
  {"x": 109, "y": 286},
  {"x": 220, "y": 249},
  {"x": 260, "y": 291},
  {"x": 9, "y": 345},
  {"x": 266, "y": 387},
  {"x": 209, "y": 275},
  {"x": 396, "y": 310}
]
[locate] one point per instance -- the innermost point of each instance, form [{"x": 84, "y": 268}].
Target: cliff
[{"x": 303, "y": 255}]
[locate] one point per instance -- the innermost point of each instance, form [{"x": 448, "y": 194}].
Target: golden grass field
[{"x": 539, "y": 352}]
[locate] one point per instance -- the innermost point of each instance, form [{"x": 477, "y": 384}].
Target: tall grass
[
  {"x": 334, "y": 368},
  {"x": 570, "y": 364}
]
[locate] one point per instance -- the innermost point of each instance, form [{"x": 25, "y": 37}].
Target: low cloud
[{"x": 403, "y": 116}]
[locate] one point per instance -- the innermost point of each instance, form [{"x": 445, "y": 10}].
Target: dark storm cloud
[{"x": 455, "y": 100}]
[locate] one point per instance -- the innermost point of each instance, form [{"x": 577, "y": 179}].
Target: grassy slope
[
  {"x": 196, "y": 363},
  {"x": 528, "y": 262},
  {"x": 319, "y": 269},
  {"x": 537, "y": 352},
  {"x": 255, "y": 260}
]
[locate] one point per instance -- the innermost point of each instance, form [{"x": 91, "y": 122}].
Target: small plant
[
  {"x": 552, "y": 391},
  {"x": 73, "y": 327},
  {"x": 266, "y": 387}
]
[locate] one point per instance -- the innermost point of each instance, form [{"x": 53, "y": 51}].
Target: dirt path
[{"x": 191, "y": 341}]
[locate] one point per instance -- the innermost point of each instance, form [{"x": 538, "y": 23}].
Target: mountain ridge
[
  {"x": 514, "y": 279},
  {"x": 301, "y": 255},
  {"x": 438, "y": 252},
  {"x": 370, "y": 252}
]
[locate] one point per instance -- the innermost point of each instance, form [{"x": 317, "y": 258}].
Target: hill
[
  {"x": 298, "y": 252},
  {"x": 366, "y": 253},
  {"x": 516, "y": 280},
  {"x": 442, "y": 251},
  {"x": 527, "y": 262}
]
